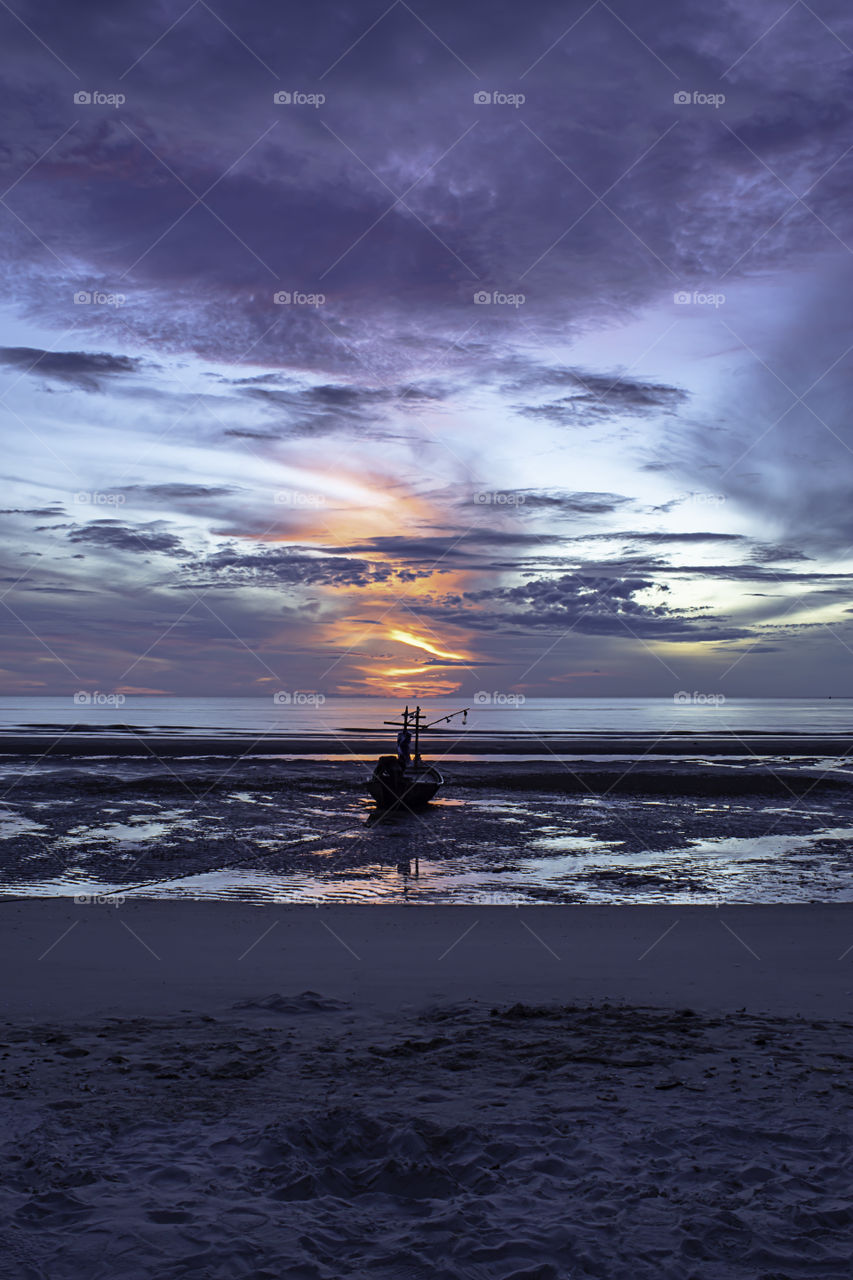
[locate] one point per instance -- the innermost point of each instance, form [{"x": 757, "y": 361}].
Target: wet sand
[
  {"x": 600, "y": 829},
  {"x": 585, "y": 831}
]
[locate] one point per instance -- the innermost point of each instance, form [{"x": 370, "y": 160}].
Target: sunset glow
[
  {"x": 417, "y": 642},
  {"x": 298, "y": 433}
]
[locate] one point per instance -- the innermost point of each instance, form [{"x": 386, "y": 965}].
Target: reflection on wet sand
[{"x": 305, "y": 832}]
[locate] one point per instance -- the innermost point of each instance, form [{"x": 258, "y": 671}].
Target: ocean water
[
  {"x": 302, "y": 830},
  {"x": 305, "y": 713}
]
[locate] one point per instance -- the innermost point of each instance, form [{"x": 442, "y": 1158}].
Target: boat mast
[{"x": 417, "y": 715}]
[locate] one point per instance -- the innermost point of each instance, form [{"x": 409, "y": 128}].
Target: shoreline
[
  {"x": 161, "y": 957},
  {"x": 500, "y": 832},
  {"x": 142, "y": 743}
]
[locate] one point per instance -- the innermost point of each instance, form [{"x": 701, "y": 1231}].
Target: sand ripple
[{"x": 295, "y": 1136}]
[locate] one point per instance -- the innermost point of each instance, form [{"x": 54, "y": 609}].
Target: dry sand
[
  {"x": 211, "y": 1089},
  {"x": 161, "y": 957}
]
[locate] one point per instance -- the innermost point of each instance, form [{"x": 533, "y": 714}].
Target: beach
[
  {"x": 129, "y": 958},
  {"x": 587, "y": 1015},
  {"x": 426, "y": 701},
  {"x": 598, "y": 830},
  {"x": 224, "y": 1090}
]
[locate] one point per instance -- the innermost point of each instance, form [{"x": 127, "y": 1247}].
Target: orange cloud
[
  {"x": 417, "y": 642},
  {"x": 342, "y": 507}
]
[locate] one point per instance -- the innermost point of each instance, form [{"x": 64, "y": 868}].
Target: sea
[
  {"x": 290, "y": 828},
  {"x": 300, "y": 712}
]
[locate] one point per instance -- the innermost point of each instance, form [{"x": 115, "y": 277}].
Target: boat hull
[{"x": 409, "y": 788}]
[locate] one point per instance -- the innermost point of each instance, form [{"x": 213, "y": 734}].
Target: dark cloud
[
  {"x": 593, "y": 605},
  {"x": 33, "y": 511},
  {"x": 247, "y": 434},
  {"x": 476, "y": 546},
  {"x": 289, "y": 567},
  {"x": 176, "y": 492},
  {"x": 312, "y": 204},
  {"x": 773, "y": 553},
  {"x": 757, "y": 573},
  {"x": 561, "y": 503},
  {"x": 657, "y": 537},
  {"x": 323, "y": 409},
  {"x": 84, "y": 369},
  {"x": 115, "y": 536},
  {"x": 692, "y": 535},
  {"x": 594, "y": 398}
]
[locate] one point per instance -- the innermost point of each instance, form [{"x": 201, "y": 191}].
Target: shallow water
[
  {"x": 306, "y": 832},
  {"x": 491, "y": 711}
]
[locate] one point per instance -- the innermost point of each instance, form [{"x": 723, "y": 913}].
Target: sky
[{"x": 427, "y": 348}]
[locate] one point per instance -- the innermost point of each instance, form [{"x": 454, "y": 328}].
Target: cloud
[
  {"x": 774, "y": 553},
  {"x": 399, "y": 201},
  {"x": 313, "y": 200},
  {"x": 475, "y": 546},
  {"x": 561, "y": 503},
  {"x": 285, "y": 566},
  {"x": 176, "y": 492},
  {"x": 245, "y": 433},
  {"x": 318, "y": 410},
  {"x": 80, "y": 368},
  {"x": 692, "y": 535},
  {"x": 114, "y": 536},
  {"x": 659, "y": 537},
  {"x": 593, "y": 605},
  {"x": 33, "y": 511},
  {"x": 595, "y": 398}
]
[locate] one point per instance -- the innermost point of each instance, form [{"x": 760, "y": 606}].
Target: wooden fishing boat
[
  {"x": 404, "y": 781},
  {"x": 411, "y": 787}
]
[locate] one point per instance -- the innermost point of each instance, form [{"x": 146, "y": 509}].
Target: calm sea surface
[{"x": 342, "y": 715}]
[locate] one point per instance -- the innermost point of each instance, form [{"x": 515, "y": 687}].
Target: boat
[
  {"x": 404, "y": 781},
  {"x": 411, "y": 787}
]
